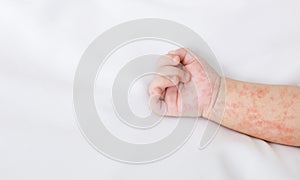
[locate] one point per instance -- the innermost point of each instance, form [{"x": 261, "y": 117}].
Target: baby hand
[{"x": 186, "y": 85}]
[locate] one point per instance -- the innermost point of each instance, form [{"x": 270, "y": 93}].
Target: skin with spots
[
  {"x": 269, "y": 112},
  {"x": 185, "y": 86},
  {"x": 188, "y": 86}
]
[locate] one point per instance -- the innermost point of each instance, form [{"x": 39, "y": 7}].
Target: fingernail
[
  {"x": 155, "y": 91},
  {"x": 176, "y": 59}
]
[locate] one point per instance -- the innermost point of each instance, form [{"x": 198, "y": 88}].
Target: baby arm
[
  {"x": 188, "y": 86},
  {"x": 269, "y": 112}
]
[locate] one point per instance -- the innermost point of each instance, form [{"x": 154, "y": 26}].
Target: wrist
[{"x": 216, "y": 106}]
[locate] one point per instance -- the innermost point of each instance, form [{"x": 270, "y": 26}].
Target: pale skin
[{"x": 188, "y": 86}]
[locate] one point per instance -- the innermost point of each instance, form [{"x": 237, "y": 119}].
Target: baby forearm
[{"x": 270, "y": 112}]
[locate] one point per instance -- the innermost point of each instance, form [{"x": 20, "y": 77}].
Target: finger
[
  {"x": 168, "y": 60},
  {"x": 156, "y": 102},
  {"x": 186, "y": 55},
  {"x": 171, "y": 97},
  {"x": 170, "y": 71},
  {"x": 162, "y": 83}
]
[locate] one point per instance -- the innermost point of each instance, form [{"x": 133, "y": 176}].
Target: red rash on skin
[
  {"x": 270, "y": 112},
  {"x": 248, "y": 109},
  {"x": 262, "y": 92},
  {"x": 294, "y": 95}
]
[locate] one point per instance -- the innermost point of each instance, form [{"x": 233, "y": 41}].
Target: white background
[{"x": 41, "y": 43}]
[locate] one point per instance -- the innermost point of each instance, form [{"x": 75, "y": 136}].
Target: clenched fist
[{"x": 185, "y": 85}]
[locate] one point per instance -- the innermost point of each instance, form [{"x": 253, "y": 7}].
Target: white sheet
[{"x": 41, "y": 43}]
